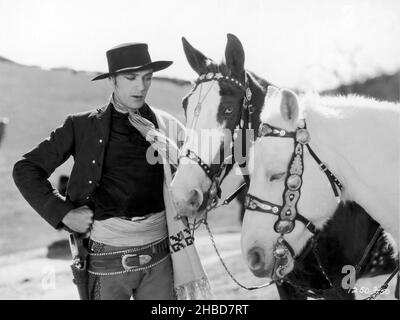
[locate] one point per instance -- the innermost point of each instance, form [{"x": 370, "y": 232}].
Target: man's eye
[{"x": 277, "y": 176}]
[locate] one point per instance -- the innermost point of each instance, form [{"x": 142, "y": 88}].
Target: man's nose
[{"x": 140, "y": 85}]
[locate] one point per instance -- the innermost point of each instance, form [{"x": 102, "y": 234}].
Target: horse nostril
[
  {"x": 256, "y": 258},
  {"x": 196, "y": 198}
]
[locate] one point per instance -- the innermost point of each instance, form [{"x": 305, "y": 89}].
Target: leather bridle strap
[
  {"x": 267, "y": 130},
  {"x": 335, "y": 183},
  {"x": 256, "y": 204},
  {"x": 194, "y": 157}
]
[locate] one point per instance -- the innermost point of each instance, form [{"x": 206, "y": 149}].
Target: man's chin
[{"x": 136, "y": 103}]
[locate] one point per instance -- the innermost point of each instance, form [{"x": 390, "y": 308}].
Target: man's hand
[{"x": 79, "y": 219}]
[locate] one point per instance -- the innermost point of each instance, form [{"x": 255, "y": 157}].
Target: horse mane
[
  {"x": 338, "y": 106},
  {"x": 352, "y": 227}
]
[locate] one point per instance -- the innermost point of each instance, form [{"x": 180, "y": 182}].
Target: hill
[
  {"x": 2, "y": 59},
  {"x": 383, "y": 87}
]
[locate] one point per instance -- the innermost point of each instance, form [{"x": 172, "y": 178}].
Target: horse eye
[
  {"x": 228, "y": 110},
  {"x": 277, "y": 176}
]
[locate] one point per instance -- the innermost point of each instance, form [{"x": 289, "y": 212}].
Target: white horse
[{"x": 359, "y": 141}]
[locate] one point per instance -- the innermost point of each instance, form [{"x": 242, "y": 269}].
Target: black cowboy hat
[{"x": 130, "y": 57}]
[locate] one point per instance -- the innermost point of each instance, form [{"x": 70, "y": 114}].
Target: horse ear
[
  {"x": 234, "y": 55},
  {"x": 289, "y": 105},
  {"x": 196, "y": 59}
]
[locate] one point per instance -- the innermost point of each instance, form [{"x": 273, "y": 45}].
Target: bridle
[
  {"x": 216, "y": 176},
  {"x": 288, "y": 212}
]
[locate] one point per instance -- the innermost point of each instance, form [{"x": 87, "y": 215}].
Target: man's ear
[{"x": 289, "y": 106}]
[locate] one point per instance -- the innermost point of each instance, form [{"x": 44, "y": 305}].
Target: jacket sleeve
[{"x": 31, "y": 174}]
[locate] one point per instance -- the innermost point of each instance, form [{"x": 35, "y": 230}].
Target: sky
[{"x": 307, "y": 44}]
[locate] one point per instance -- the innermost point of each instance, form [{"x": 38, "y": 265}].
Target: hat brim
[{"x": 154, "y": 66}]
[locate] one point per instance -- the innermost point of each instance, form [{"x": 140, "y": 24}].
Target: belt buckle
[
  {"x": 126, "y": 256},
  {"x": 143, "y": 259}
]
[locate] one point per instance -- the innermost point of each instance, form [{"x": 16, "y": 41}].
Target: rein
[{"x": 226, "y": 201}]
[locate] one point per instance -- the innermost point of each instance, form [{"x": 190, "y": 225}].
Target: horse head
[
  {"x": 289, "y": 198},
  {"x": 223, "y": 97}
]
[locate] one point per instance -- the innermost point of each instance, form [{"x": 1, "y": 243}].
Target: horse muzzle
[{"x": 188, "y": 203}]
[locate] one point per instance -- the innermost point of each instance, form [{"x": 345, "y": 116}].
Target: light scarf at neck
[{"x": 167, "y": 148}]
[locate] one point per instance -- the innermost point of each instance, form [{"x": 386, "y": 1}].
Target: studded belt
[{"x": 128, "y": 260}]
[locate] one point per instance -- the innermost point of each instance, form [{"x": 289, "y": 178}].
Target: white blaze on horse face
[{"x": 204, "y": 137}]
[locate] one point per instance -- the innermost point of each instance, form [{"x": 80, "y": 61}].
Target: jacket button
[
  {"x": 93, "y": 161},
  {"x": 101, "y": 141},
  {"x": 87, "y": 198},
  {"x": 90, "y": 181}
]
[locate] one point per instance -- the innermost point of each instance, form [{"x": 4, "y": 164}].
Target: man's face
[{"x": 130, "y": 89}]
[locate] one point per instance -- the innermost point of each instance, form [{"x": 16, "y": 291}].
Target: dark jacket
[{"x": 83, "y": 136}]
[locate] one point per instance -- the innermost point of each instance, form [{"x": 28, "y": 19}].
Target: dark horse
[{"x": 224, "y": 102}]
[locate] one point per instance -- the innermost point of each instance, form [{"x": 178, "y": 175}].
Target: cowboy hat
[{"x": 130, "y": 57}]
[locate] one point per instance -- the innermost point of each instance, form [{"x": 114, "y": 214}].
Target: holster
[{"x": 79, "y": 251}]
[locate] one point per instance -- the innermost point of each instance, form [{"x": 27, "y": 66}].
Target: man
[{"x": 114, "y": 193}]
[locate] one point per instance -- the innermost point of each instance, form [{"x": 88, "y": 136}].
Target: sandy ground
[{"x": 31, "y": 275}]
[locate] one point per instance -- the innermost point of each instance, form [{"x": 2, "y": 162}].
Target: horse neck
[
  {"x": 351, "y": 228},
  {"x": 354, "y": 141}
]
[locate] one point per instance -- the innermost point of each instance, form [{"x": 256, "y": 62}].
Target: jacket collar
[
  {"x": 102, "y": 119},
  {"x": 104, "y": 111}
]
